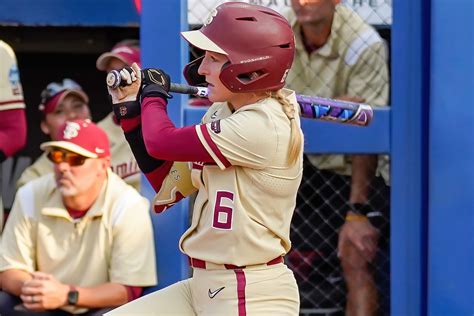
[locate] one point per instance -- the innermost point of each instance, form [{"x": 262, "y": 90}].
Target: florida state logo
[
  {"x": 71, "y": 130},
  {"x": 210, "y": 17}
]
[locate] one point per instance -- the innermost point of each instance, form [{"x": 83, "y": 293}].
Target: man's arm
[{"x": 13, "y": 280}]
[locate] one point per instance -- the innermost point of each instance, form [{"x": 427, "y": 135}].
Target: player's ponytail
[{"x": 296, "y": 138}]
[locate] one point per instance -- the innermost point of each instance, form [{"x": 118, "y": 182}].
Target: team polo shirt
[
  {"x": 353, "y": 62},
  {"x": 245, "y": 202},
  {"x": 39, "y": 168},
  {"x": 122, "y": 162},
  {"x": 113, "y": 242}
]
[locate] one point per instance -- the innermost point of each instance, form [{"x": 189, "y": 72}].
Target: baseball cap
[
  {"x": 56, "y": 92},
  {"x": 127, "y": 53},
  {"x": 81, "y": 137}
]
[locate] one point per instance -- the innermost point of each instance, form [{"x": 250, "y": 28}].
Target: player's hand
[
  {"x": 129, "y": 92},
  {"x": 125, "y": 103},
  {"x": 156, "y": 83},
  {"x": 361, "y": 235},
  {"x": 43, "y": 292}
]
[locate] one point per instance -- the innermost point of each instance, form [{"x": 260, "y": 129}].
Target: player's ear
[{"x": 45, "y": 128}]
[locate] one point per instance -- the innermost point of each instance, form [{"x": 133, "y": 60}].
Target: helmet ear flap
[{"x": 191, "y": 74}]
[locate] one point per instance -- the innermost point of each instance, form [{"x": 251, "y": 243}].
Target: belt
[{"x": 201, "y": 264}]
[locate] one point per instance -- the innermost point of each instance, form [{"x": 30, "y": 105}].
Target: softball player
[
  {"x": 246, "y": 165},
  {"x": 12, "y": 110}
]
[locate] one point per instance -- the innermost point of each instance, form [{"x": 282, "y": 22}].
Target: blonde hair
[{"x": 295, "y": 138}]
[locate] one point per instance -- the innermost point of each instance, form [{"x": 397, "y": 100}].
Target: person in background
[
  {"x": 123, "y": 54},
  {"x": 71, "y": 243},
  {"x": 60, "y": 101},
  {"x": 12, "y": 111},
  {"x": 340, "y": 56}
]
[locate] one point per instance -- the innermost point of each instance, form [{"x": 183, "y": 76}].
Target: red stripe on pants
[{"x": 241, "y": 291}]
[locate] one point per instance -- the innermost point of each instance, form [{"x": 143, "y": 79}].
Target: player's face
[
  {"x": 314, "y": 11},
  {"x": 72, "y": 107},
  {"x": 115, "y": 64},
  {"x": 76, "y": 181},
  {"x": 211, "y": 68}
]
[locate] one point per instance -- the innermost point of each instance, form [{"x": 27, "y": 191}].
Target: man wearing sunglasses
[
  {"x": 60, "y": 101},
  {"x": 78, "y": 240}
]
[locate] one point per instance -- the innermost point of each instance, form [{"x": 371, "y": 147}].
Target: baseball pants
[{"x": 256, "y": 290}]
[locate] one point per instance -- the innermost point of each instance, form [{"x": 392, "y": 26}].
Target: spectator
[
  {"x": 338, "y": 55},
  {"x": 12, "y": 109},
  {"x": 71, "y": 243},
  {"x": 123, "y": 54},
  {"x": 60, "y": 101}
]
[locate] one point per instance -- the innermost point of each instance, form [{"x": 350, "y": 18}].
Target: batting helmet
[{"x": 258, "y": 42}]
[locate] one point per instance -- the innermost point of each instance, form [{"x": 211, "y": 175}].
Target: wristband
[{"x": 356, "y": 218}]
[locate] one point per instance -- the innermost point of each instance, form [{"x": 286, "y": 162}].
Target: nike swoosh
[{"x": 215, "y": 292}]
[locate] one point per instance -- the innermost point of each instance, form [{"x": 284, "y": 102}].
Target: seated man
[{"x": 78, "y": 240}]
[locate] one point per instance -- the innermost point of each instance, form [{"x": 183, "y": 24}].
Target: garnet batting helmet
[{"x": 258, "y": 42}]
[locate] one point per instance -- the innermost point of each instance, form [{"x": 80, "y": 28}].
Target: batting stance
[{"x": 246, "y": 165}]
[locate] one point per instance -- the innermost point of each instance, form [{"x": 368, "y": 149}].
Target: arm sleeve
[
  {"x": 12, "y": 132},
  {"x": 247, "y": 138},
  {"x": 18, "y": 239},
  {"x": 11, "y": 93},
  {"x": 369, "y": 77},
  {"x": 163, "y": 140},
  {"x": 133, "y": 253}
]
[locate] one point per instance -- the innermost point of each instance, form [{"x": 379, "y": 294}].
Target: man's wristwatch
[{"x": 72, "y": 295}]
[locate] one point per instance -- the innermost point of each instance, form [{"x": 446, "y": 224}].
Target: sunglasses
[{"x": 57, "y": 156}]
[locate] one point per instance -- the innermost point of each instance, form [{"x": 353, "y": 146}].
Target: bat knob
[{"x": 113, "y": 79}]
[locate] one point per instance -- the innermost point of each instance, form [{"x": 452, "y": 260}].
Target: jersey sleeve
[
  {"x": 369, "y": 77},
  {"x": 18, "y": 239},
  {"x": 247, "y": 138},
  {"x": 11, "y": 93}
]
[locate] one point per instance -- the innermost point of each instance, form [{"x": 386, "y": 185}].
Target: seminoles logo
[
  {"x": 71, "y": 130},
  {"x": 123, "y": 110},
  {"x": 210, "y": 17}
]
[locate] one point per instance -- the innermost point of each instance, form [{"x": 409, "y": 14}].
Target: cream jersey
[
  {"x": 11, "y": 93},
  {"x": 103, "y": 246},
  {"x": 123, "y": 162},
  {"x": 245, "y": 201},
  {"x": 353, "y": 62}
]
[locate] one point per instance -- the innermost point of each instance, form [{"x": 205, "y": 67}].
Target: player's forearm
[
  {"x": 164, "y": 141},
  {"x": 363, "y": 171},
  {"x": 104, "y": 295},
  {"x": 12, "y": 280}
]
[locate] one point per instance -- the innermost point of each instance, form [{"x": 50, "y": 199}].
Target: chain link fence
[{"x": 326, "y": 186}]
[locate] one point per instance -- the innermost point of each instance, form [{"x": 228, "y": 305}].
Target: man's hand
[
  {"x": 43, "y": 292},
  {"x": 360, "y": 234}
]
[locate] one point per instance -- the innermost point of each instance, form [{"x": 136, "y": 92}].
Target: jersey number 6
[{"x": 223, "y": 214}]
